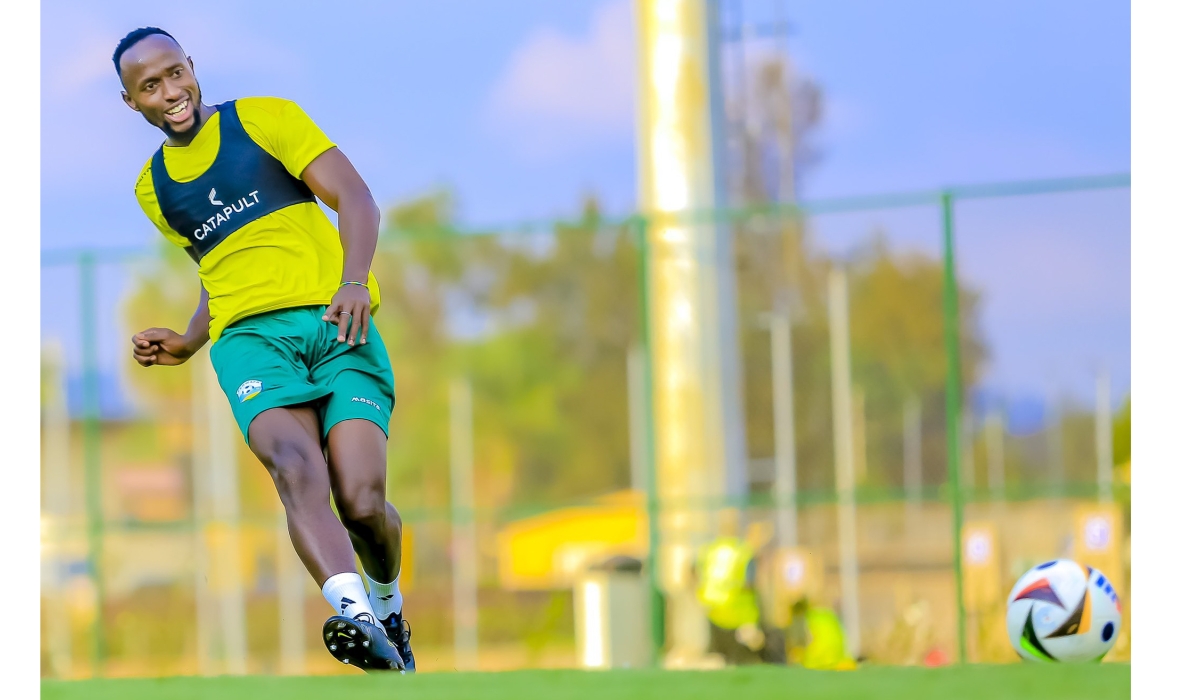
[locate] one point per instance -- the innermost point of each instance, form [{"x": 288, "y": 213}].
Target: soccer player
[{"x": 287, "y": 300}]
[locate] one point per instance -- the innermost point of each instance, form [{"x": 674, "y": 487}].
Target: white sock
[
  {"x": 347, "y": 595},
  {"x": 386, "y": 598}
]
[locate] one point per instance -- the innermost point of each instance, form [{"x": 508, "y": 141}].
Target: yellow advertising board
[
  {"x": 980, "y": 566},
  {"x": 548, "y": 551}
]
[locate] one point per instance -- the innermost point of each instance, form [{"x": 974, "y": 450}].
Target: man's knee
[
  {"x": 365, "y": 506},
  {"x": 296, "y": 468}
]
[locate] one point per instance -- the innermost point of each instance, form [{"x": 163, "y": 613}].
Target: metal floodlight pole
[
  {"x": 91, "y": 454},
  {"x": 953, "y": 400}
]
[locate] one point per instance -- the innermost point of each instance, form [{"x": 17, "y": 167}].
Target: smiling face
[{"x": 160, "y": 83}]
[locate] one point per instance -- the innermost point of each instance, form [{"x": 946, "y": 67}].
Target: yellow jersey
[{"x": 287, "y": 258}]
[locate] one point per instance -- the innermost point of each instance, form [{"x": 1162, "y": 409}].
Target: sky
[{"x": 523, "y": 108}]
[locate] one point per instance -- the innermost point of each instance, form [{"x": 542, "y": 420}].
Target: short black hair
[{"x": 132, "y": 38}]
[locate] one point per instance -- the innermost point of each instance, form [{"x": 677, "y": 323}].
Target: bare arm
[
  {"x": 196, "y": 335},
  {"x": 163, "y": 346},
  {"x": 333, "y": 178}
]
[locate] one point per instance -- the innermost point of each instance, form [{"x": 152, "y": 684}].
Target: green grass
[{"x": 1017, "y": 681}]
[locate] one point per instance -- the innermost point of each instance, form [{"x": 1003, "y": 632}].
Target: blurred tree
[
  {"x": 895, "y": 300},
  {"x": 898, "y": 349}
]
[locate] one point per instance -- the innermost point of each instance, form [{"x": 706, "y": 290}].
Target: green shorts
[{"x": 291, "y": 357}]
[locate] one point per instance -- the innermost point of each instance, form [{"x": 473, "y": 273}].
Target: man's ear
[{"x": 129, "y": 101}]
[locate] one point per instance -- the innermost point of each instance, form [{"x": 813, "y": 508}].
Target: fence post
[
  {"x": 56, "y": 499},
  {"x": 91, "y": 453},
  {"x": 1103, "y": 434},
  {"x": 784, "y": 429},
  {"x": 953, "y": 400},
  {"x": 201, "y": 513},
  {"x": 465, "y": 551},
  {"x": 657, "y": 609},
  {"x": 843, "y": 453}
]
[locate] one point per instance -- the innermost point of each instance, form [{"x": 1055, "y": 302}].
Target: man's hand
[
  {"x": 160, "y": 346},
  {"x": 350, "y": 309}
]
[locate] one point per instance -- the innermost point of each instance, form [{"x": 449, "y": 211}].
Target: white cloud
[{"x": 559, "y": 92}]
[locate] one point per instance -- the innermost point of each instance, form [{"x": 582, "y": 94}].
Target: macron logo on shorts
[
  {"x": 368, "y": 402},
  {"x": 249, "y": 390}
]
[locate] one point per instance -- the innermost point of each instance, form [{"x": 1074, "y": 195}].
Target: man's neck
[{"x": 175, "y": 140}]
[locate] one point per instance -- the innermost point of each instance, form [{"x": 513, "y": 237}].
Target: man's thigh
[
  {"x": 359, "y": 380},
  {"x": 259, "y": 371}
]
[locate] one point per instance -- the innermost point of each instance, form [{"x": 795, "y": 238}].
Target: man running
[{"x": 287, "y": 300}]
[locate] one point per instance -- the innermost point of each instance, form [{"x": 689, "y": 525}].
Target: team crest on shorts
[{"x": 249, "y": 390}]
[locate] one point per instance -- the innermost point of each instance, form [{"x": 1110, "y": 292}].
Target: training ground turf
[{"x": 1016, "y": 681}]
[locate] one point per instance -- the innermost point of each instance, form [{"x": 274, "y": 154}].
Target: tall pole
[
  {"x": 953, "y": 401},
  {"x": 843, "y": 451},
  {"x": 912, "y": 453},
  {"x": 201, "y": 513},
  {"x": 657, "y": 605},
  {"x": 93, "y": 482},
  {"x": 226, "y": 512},
  {"x": 1057, "y": 445},
  {"x": 1103, "y": 434},
  {"x": 966, "y": 440},
  {"x": 995, "y": 434},
  {"x": 292, "y": 583},
  {"x": 784, "y": 430},
  {"x": 465, "y": 550},
  {"x": 56, "y": 494},
  {"x": 635, "y": 370},
  {"x": 698, "y": 413}
]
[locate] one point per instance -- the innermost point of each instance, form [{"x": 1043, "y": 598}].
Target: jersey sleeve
[
  {"x": 284, "y": 130},
  {"x": 148, "y": 200}
]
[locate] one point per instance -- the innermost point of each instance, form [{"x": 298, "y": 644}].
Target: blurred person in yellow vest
[
  {"x": 726, "y": 587},
  {"x": 821, "y": 639}
]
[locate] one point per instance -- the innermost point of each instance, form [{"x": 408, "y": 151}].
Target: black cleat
[
  {"x": 359, "y": 642},
  {"x": 400, "y": 634}
]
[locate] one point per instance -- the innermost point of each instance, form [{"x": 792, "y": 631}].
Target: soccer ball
[{"x": 1063, "y": 611}]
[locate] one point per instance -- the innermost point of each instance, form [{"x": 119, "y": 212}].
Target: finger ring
[{"x": 344, "y": 313}]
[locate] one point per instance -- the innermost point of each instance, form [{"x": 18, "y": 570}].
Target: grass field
[{"x": 1016, "y": 681}]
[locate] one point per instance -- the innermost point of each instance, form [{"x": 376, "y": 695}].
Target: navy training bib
[{"x": 243, "y": 184}]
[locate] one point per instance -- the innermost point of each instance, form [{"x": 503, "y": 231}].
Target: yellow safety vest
[
  {"x": 826, "y": 642},
  {"x": 723, "y": 589}
]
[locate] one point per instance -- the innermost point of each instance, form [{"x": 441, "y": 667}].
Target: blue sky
[{"x": 522, "y": 107}]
